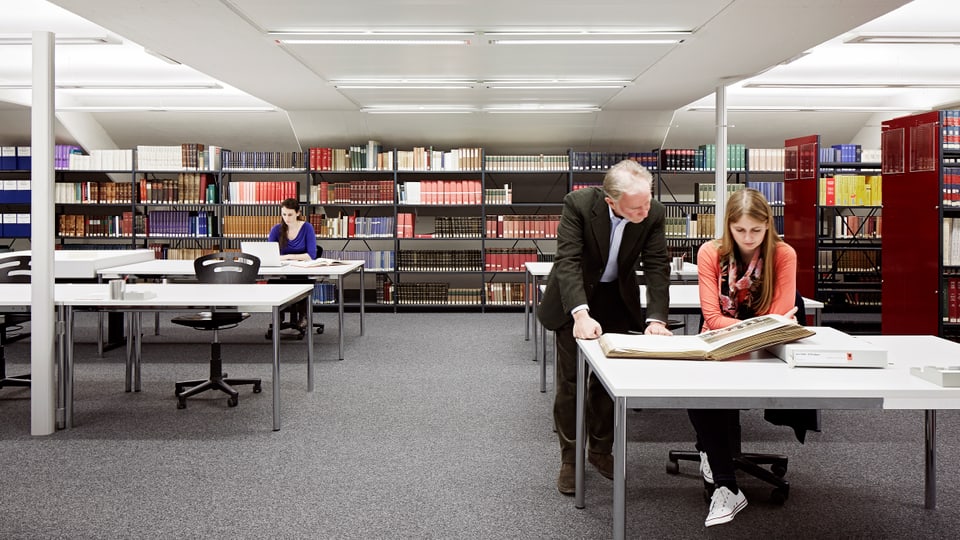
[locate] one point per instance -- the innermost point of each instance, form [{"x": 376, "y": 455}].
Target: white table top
[
  {"x": 541, "y": 269},
  {"x": 84, "y": 263},
  {"x": 688, "y": 297},
  {"x": 175, "y": 267},
  {"x": 247, "y": 297},
  {"x": 761, "y": 379}
]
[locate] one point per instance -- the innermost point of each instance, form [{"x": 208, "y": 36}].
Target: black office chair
[
  {"x": 227, "y": 267},
  {"x": 752, "y": 463},
  {"x": 15, "y": 269}
]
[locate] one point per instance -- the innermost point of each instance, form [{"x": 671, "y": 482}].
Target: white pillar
[
  {"x": 43, "y": 349},
  {"x": 721, "y": 172}
]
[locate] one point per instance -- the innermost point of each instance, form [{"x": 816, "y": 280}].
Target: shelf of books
[
  {"x": 921, "y": 244},
  {"x": 833, "y": 202}
]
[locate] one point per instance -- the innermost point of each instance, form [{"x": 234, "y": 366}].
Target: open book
[
  {"x": 319, "y": 261},
  {"x": 743, "y": 337}
]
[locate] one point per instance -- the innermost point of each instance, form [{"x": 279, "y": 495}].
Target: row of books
[
  {"x": 431, "y": 293},
  {"x": 601, "y": 161},
  {"x": 848, "y": 261},
  {"x": 15, "y": 158},
  {"x": 445, "y": 260},
  {"x": 703, "y": 158},
  {"x": 182, "y": 223},
  {"x": 101, "y": 160},
  {"x": 951, "y": 241},
  {"x": 700, "y": 225},
  {"x": 324, "y": 293},
  {"x": 355, "y": 158},
  {"x": 352, "y": 192},
  {"x": 851, "y": 190},
  {"x": 845, "y": 227},
  {"x": 373, "y": 261},
  {"x": 262, "y": 192},
  {"x": 15, "y": 225},
  {"x": 584, "y": 185},
  {"x": 245, "y": 226},
  {"x": 527, "y": 162},
  {"x": 352, "y": 226},
  {"x": 505, "y": 294},
  {"x": 262, "y": 161},
  {"x": 440, "y": 192},
  {"x": 951, "y": 186},
  {"x": 428, "y": 159},
  {"x": 508, "y": 259},
  {"x": 186, "y": 188},
  {"x": 457, "y": 227},
  {"x": 849, "y": 153},
  {"x": 165, "y": 251},
  {"x": 950, "y": 135},
  {"x": 522, "y": 226},
  {"x": 951, "y": 300},
  {"x": 15, "y": 191},
  {"x": 95, "y": 226},
  {"x": 772, "y": 191},
  {"x": 706, "y": 193},
  {"x": 765, "y": 159},
  {"x": 186, "y": 156}
]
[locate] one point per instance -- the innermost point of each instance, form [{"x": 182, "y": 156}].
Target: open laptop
[{"x": 267, "y": 252}]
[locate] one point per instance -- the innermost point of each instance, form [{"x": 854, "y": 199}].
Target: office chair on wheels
[
  {"x": 14, "y": 269},
  {"x": 218, "y": 268},
  {"x": 753, "y": 463}
]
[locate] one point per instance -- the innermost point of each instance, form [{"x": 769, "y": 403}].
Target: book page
[
  {"x": 718, "y": 338},
  {"x": 320, "y": 261}
]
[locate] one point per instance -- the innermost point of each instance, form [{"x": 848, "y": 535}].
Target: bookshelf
[
  {"x": 834, "y": 210},
  {"x": 921, "y": 156},
  {"x": 14, "y": 207}
]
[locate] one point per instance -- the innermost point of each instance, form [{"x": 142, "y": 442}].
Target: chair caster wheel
[
  {"x": 257, "y": 388},
  {"x": 232, "y": 401},
  {"x": 673, "y": 467},
  {"x": 778, "y": 470},
  {"x": 779, "y": 496},
  {"x": 181, "y": 404},
  {"x": 320, "y": 329}
]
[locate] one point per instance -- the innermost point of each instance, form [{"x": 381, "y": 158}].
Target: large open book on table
[{"x": 743, "y": 337}]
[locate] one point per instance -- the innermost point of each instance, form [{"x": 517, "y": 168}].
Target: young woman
[
  {"x": 298, "y": 242},
  {"x": 748, "y": 271}
]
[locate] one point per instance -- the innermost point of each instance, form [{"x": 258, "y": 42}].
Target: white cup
[{"x": 117, "y": 288}]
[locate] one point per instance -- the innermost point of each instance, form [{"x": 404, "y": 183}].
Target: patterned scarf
[{"x": 740, "y": 291}]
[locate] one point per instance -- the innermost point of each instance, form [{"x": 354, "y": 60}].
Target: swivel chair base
[
  {"x": 217, "y": 381},
  {"x": 749, "y": 463}
]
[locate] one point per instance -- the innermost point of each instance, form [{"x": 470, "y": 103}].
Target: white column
[
  {"x": 721, "y": 173},
  {"x": 43, "y": 349}
]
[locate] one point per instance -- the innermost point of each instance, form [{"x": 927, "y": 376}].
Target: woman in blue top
[
  {"x": 297, "y": 239},
  {"x": 298, "y": 242}
]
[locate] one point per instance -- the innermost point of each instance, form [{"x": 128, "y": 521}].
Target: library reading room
[{"x": 454, "y": 269}]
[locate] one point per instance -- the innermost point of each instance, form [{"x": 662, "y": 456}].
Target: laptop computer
[{"x": 267, "y": 252}]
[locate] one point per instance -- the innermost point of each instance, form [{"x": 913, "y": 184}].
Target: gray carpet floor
[{"x": 432, "y": 427}]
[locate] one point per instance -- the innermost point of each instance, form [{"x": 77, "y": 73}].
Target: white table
[
  {"x": 685, "y": 300},
  {"x": 184, "y": 268},
  {"x": 168, "y": 297},
  {"x": 762, "y": 381}
]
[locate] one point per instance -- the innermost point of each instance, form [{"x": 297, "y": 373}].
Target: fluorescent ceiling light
[
  {"x": 805, "y": 108},
  {"x": 556, "y": 84},
  {"x": 541, "y": 108},
  {"x": 587, "y": 37},
  {"x": 833, "y": 86},
  {"x": 120, "y": 86},
  {"x": 906, "y": 39},
  {"x": 404, "y": 84},
  {"x": 149, "y": 108},
  {"x": 371, "y": 37},
  {"x": 419, "y": 109},
  {"x": 62, "y": 40}
]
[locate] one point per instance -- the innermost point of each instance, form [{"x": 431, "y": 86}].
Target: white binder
[{"x": 831, "y": 348}]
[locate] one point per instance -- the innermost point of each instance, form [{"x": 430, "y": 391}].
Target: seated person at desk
[
  {"x": 298, "y": 242},
  {"x": 749, "y": 271}
]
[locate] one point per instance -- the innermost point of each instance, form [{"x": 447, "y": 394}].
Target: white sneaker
[
  {"x": 724, "y": 505},
  {"x": 705, "y": 468}
]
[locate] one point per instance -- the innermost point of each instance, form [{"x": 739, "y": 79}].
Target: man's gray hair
[{"x": 627, "y": 177}]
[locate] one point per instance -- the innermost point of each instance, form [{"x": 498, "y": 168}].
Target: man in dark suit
[{"x": 593, "y": 289}]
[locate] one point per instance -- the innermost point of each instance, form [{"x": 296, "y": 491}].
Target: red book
[{"x": 830, "y": 191}]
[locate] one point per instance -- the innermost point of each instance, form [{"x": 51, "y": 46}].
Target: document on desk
[
  {"x": 831, "y": 348},
  {"x": 320, "y": 261},
  {"x": 746, "y": 336}
]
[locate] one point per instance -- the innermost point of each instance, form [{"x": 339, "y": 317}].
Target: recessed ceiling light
[
  {"x": 62, "y": 40},
  {"x": 832, "y": 86},
  {"x": 906, "y": 39}
]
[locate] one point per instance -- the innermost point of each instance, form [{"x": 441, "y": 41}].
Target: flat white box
[
  {"x": 831, "y": 348},
  {"x": 943, "y": 376}
]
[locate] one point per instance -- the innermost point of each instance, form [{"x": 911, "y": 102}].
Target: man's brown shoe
[
  {"x": 603, "y": 463},
  {"x": 567, "y": 482}
]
